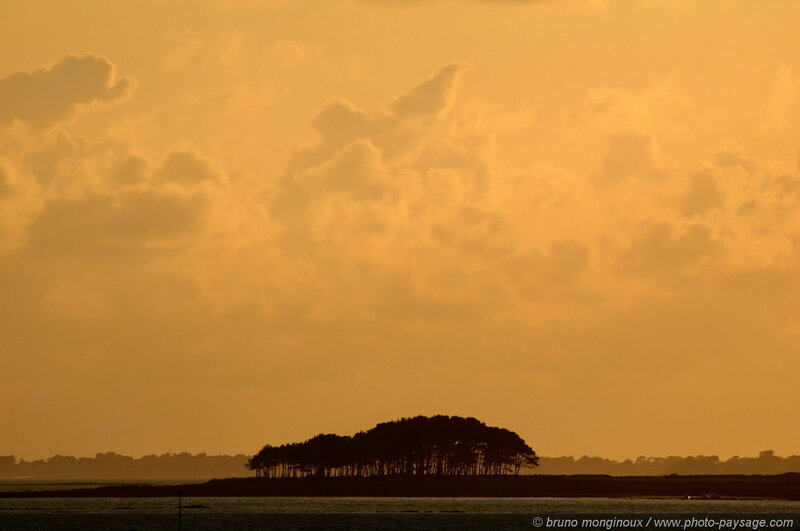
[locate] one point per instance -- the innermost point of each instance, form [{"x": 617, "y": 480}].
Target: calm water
[
  {"x": 18, "y": 485},
  {"x": 341, "y": 513}
]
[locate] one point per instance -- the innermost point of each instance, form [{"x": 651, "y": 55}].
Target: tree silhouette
[{"x": 418, "y": 446}]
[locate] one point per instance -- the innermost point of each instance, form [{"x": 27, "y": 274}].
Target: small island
[{"x": 418, "y": 446}]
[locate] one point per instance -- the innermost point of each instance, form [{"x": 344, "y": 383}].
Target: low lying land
[{"x": 782, "y": 487}]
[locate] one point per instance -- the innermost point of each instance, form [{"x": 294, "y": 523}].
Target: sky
[{"x": 227, "y": 223}]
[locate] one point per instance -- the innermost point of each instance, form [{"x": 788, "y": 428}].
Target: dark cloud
[
  {"x": 356, "y": 172},
  {"x": 102, "y": 226},
  {"x": 702, "y": 195},
  {"x": 552, "y": 274},
  {"x": 730, "y": 159},
  {"x": 6, "y": 187},
  {"x": 629, "y": 155},
  {"x": 186, "y": 167},
  {"x": 356, "y": 147},
  {"x": 432, "y": 97},
  {"x": 664, "y": 250},
  {"x": 47, "y": 96}
]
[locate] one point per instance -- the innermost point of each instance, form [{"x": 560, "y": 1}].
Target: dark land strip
[{"x": 776, "y": 487}]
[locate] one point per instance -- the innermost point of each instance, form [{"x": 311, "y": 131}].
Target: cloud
[
  {"x": 703, "y": 194},
  {"x": 187, "y": 167},
  {"x": 71, "y": 196},
  {"x": 434, "y": 96},
  {"x": 783, "y": 99},
  {"x": 6, "y": 179},
  {"x": 135, "y": 222},
  {"x": 554, "y": 274},
  {"x": 341, "y": 121},
  {"x": 629, "y": 156},
  {"x": 395, "y": 132},
  {"x": 668, "y": 251},
  {"x": 20, "y": 202},
  {"x": 731, "y": 159},
  {"x": 47, "y": 96},
  {"x": 356, "y": 171}
]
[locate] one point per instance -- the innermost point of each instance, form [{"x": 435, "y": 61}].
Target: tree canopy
[{"x": 420, "y": 446}]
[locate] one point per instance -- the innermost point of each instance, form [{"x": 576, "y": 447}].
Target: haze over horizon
[{"x": 226, "y": 223}]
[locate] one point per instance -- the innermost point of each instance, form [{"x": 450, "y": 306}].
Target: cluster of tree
[
  {"x": 766, "y": 463},
  {"x": 111, "y": 465},
  {"x": 439, "y": 445}
]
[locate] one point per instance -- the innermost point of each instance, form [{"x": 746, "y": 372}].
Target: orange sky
[{"x": 225, "y": 223}]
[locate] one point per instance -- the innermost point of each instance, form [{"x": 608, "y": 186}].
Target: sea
[{"x": 374, "y": 513}]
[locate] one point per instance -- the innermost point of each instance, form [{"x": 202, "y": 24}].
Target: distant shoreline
[{"x": 775, "y": 487}]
